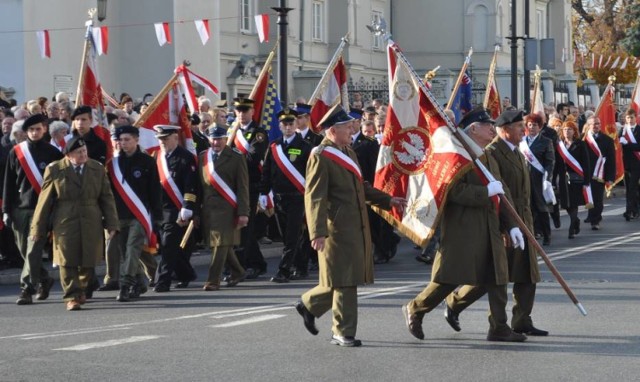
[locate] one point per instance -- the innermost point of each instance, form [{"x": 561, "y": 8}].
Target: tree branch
[{"x": 579, "y": 8}]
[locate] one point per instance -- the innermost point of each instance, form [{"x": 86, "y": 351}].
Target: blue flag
[
  {"x": 272, "y": 106},
  {"x": 462, "y": 102}
]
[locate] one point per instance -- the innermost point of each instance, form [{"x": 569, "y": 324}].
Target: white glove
[
  {"x": 6, "y": 220},
  {"x": 185, "y": 214},
  {"x": 517, "y": 240},
  {"x": 495, "y": 188},
  {"x": 262, "y": 201},
  {"x": 623, "y": 141}
]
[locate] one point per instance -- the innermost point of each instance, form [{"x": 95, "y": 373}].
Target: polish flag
[
  {"x": 185, "y": 78},
  {"x": 624, "y": 63},
  {"x": 44, "y": 43},
  {"x": 262, "y": 26},
  {"x": 202, "y": 26},
  {"x": 101, "y": 39},
  {"x": 635, "y": 97},
  {"x": 163, "y": 33},
  {"x": 615, "y": 63},
  {"x": 334, "y": 83}
]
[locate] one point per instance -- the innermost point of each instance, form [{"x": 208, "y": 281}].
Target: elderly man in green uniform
[
  {"x": 471, "y": 247},
  {"x": 225, "y": 205},
  {"x": 335, "y": 197},
  {"x": 77, "y": 193},
  {"x": 523, "y": 263}
]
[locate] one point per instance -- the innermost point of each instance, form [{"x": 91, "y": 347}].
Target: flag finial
[{"x": 379, "y": 28}]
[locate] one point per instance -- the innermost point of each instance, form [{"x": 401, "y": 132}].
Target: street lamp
[{"x": 102, "y": 10}]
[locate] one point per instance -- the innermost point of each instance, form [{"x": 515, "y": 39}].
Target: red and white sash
[
  {"x": 169, "y": 185},
  {"x": 287, "y": 167},
  {"x": 598, "y": 168},
  {"x": 29, "y": 166},
  {"x": 575, "y": 165},
  {"x": 216, "y": 181},
  {"x": 132, "y": 200},
  {"x": 628, "y": 134},
  {"x": 528, "y": 155},
  {"x": 342, "y": 160},
  {"x": 241, "y": 142}
]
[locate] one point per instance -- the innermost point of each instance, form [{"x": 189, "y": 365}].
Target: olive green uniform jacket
[
  {"x": 78, "y": 209},
  {"x": 335, "y": 209}
]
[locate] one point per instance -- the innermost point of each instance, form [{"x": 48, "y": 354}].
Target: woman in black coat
[{"x": 573, "y": 184}]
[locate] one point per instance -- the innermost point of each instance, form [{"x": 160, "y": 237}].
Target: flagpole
[
  {"x": 467, "y": 60},
  {"x": 85, "y": 51},
  {"x": 503, "y": 200},
  {"x": 491, "y": 76},
  {"x": 332, "y": 64},
  {"x": 536, "y": 87}
]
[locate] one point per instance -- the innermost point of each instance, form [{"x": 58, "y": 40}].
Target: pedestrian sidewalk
[{"x": 199, "y": 258}]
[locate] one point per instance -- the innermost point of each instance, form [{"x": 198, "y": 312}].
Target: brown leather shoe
[
  {"x": 210, "y": 287},
  {"x": 507, "y": 336},
  {"x": 414, "y": 323},
  {"x": 73, "y": 305},
  {"x": 44, "y": 288}
]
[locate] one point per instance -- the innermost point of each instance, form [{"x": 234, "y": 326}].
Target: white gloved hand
[
  {"x": 495, "y": 188},
  {"x": 517, "y": 240},
  {"x": 262, "y": 201},
  {"x": 623, "y": 141},
  {"x": 185, "y": 214},
  {"x": 6, "y": 220}
]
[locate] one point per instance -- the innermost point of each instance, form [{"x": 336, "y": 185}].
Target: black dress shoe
[
  {"x": 627, "y": 217},
  {"x": 279, "y": 278},
  {"x": 346, "y": 341},
  {"x": 510, "y": 336},
  {"x": 425, "y": 259},
  {"x": 161, "y": 288},
  {"x": 113, "y": 285},
  {"x": 44, "y": 288},
  {"x": 298, "y": 275},
  {"x": 253, "y": 273},
  {"x": 556, "y": 220},
  {"x": 24, "y": 298},
  {"x": 595, "y": 227},
  {"x": 531, "y": 331},
  {"x": 124, "y": 295},
  {"x": 134, "y": 291},
  {"x": 546, "y": 241},
  {"x": 587, "y": 220},
  {"x": 452, "y": 318},
  {"x": 182, "y": 285},
  {"x": 414, "y": 324},
  {"x": 308, "y": 318}
]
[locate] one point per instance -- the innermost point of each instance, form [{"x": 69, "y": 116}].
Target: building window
[
  {"x": 541, "y": 24},
  {"x": 377, "y": 40},
  {"x": 317, "y": 17},
  {"x": 246, "y": 16},
  {"x": 480, "y": 23}
]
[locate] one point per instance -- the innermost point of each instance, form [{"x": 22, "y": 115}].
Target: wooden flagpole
[
  {"x": 327, "y": 73},
  {"x": 467, "y": 60},
  {"x": 85, "y": 51},
  {"x": 491, "y": 77}
]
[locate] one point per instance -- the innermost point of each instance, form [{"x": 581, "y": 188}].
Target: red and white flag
[
  {"x": 44, "y": 44},
  {"x": 262, "y": 26},
  {"x": 185, "y": 78},
  {"x": 163, "y": 33},
  {"x": 624, "y": 63},
  {"x": 419, "y": 156},
  {"x": 537, "y": 106},
  {"x": 101, "y": 39},
  {"x": 334, "y": 90},
  {"x": 615, "y": 63},
  {"x": 202, "y": 26},
  {"x": 635, "y": 96}
]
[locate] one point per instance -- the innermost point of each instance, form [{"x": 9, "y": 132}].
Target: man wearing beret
[
  {"x": 178, "y": 176},
  {"x": 138, "y": 195},
  {"x": 471, "y": 248},
  {"x": 523, "y": 262},
  {"x": 284, "y": 170},
  {"x": 224, "y": 178},
  {"x": 335, "y": 197},
  {"x": 22, "y": 185},
  {"x": 252, "y": 141},
  {"x": 82, "y": 120},
  {"x": 77, "y": 193}
]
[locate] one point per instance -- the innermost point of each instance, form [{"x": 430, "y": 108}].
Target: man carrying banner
[
  {"x": 630, "y": 138},
  {"x": 471, "y": 249},
  {"x": 22, "y": 185},
  {"x": 284, "y": 170},
  {"x": 335, "y": 197},
  {"x": 178, "y": 177},
  {"x": 138, "y": 194},
  {"x": 602, "y": 158}
]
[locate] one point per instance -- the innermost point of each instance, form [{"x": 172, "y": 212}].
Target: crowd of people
[{"x": 82, "y": 199}]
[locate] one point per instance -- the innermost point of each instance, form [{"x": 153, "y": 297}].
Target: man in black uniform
[
  {"x": 283, "y": 173},
  {"x": 630, "y": 140},
  {"x": 177, "y": 170},
  {"x": 22, "y": 184},
  {"x": 251, "y": 140},
  {"x": 138, "y": 194},
  {"x": 304, "y": 125},
  {"x": 603, "y": 158},
  {"x": 200, "y": 140},
  {"x": 558, "y": 167},
  {"x": 82, "y": 121}
]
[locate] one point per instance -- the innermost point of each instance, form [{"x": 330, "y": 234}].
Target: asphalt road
[{"x": 252, "y": 332}]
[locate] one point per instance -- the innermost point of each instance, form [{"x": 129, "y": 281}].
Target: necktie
[
  {"x": 78, "y": 171},
  {"x": 214, "y": 157}
]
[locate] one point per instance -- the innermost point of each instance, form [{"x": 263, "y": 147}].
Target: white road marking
[
  {"x": 251, "y": 320},
  {"x": 575, "y": 251},
  {"x": 104, "y": 344},
  {"x": 614, "y": 212},
  {"x": 32, "y": 337}
]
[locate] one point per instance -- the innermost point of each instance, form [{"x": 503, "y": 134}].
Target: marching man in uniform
[{"x": 334, "y": 199}]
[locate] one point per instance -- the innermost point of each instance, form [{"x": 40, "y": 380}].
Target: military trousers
[
  {"x": 74, "y": 281},
  {"x": 435, "y": 293},
  {"x": 222, "y": 255},
  {"x": 31, "y": 251},
  {"x": 132, "y": 238},
  {"x": 290, "y": 213},
  {"x": 343, "y": 302},
  {"x": 113, "y": 262}
]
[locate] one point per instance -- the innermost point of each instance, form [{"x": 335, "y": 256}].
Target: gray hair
[
  {"x": 17, "y": 126},
  {"x": 57, "y": 126}
]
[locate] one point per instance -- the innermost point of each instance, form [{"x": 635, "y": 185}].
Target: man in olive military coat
[
  {"x": 335, "y": 197},
  {"x": 77, "y": 194}
]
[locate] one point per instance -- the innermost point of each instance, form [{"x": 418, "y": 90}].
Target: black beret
[
  {"x": 335, "y": 116},
  {"x": 81, "y": 110},
  {"x": 479, "y": 114},
  {"x": 287, "y": 115},
  {"x": 74, "y": 143},
  {"x": 509, "y": 116},
  {"x": 33, "y": 120},
  {"x": 216, "y": 131},
  {"x": 195, "y": 119},
  {"x": 165, "y": 130},
  {"x": 243, "y": 103},
  {"x": 126, "y": 129}
]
